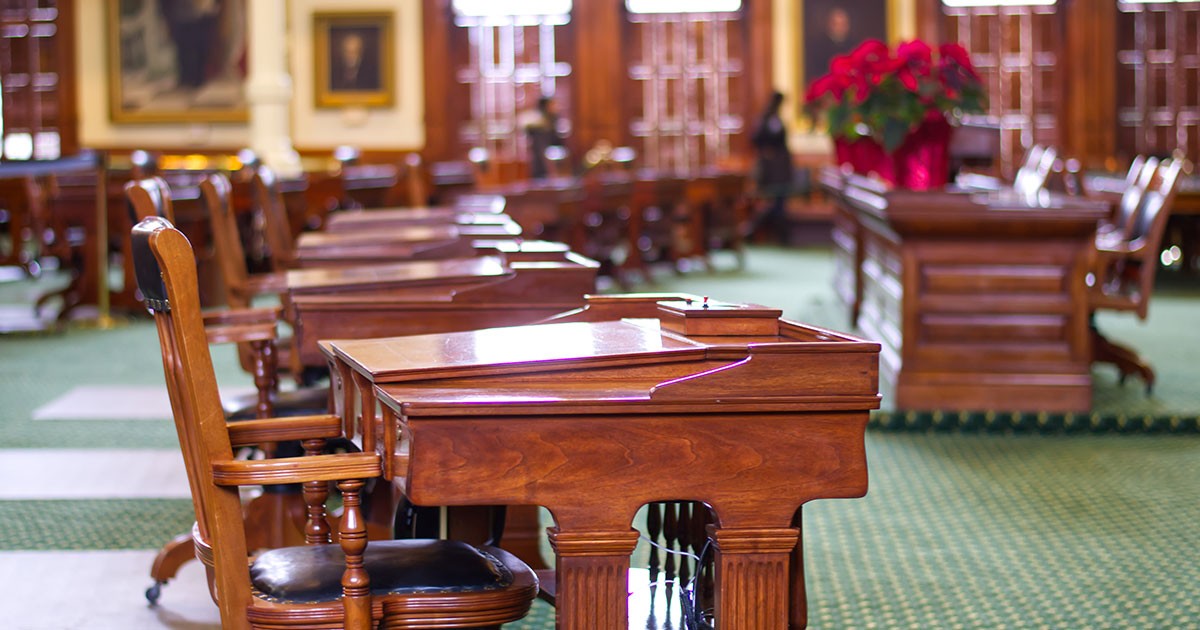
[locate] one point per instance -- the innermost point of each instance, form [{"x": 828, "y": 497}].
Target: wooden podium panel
[
  {"x": 719, "y": 403},
  {"x": 978, "y": 298}
]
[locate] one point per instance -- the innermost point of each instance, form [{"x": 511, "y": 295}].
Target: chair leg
[
  {"x": 166, "y": 565},
  {"x": 1126, "y": 359}
]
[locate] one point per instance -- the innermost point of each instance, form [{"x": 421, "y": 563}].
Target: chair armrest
[
  {"x": 266, "y": 283},
  {"x": 297, "y": 469},
  {"x": 238, "y": 333},
  {"x": 264, "y": 315},
  {"x": 240, "y": 325},
  {"x": 250, "y": 432}
]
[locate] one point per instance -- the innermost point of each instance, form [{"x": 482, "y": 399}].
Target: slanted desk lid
[
  {"x": 405, "y": 234},
  {"x": 411, "y": 273},
  {"x": 346, "y": 219},
  {"x": 535, "y": 348}
]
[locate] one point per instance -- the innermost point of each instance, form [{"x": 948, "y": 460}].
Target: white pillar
[{"x": 269, "y": 87}]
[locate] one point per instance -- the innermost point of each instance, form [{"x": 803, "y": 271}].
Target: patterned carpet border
[{"x": 1033, "y": 422}]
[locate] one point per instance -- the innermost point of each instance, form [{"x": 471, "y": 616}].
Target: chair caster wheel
[{"x": 154, "y": 592}]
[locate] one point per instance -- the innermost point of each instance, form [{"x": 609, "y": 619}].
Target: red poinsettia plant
[{"x": 875, "y": 92}]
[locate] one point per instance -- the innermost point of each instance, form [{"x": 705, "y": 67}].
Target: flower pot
[
  {"x": 922, "y": 162},
  {"x": 864, "y": 156}
]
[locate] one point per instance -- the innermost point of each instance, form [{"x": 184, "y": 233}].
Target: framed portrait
[
  {"x": 836, "y": 27},
  {"x": 355, "y": 59},
  {"x": 177, "y": 60}
]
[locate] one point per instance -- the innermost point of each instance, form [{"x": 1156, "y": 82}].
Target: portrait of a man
[
  {"x": 836, "y": 27},
  {"x": 354, "y": 59},
  {"x": 177, "y": 60}
]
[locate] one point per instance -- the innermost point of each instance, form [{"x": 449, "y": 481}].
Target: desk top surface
[
  {"x": 402, "y": 234},
  {"x": 414, "y": 272},
  {"x": 690, "y": 352}
]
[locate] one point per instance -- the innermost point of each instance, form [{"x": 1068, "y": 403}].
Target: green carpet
[{"x": 973, "y": 520}]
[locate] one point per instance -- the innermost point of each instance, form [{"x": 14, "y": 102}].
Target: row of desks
[{"x": 610, "y": 403}]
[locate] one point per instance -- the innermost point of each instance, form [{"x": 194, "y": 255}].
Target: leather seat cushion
[{"x": 313, "y": 574}]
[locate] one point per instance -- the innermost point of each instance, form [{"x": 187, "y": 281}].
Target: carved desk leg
[
  {"x": 799, "y": 591},
  {"x": 752, "y": 577},
  {"x": 592, "y": 578}
]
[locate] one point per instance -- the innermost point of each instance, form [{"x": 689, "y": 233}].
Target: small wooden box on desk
[
  {"x": 718, "y": 403},
  {"x": 978, "y": 298}
]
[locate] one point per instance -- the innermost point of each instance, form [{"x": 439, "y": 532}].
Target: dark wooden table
[
  {"x": 719, "y": 403},
  {"x": 978, "y": 299}
]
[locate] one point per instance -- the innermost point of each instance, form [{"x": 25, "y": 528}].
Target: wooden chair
[
  {"x": 253, "y": 330},
  {"x": 1123, "y": 271},
  {"x": 269, "y": 200},
  {"x": 1032, "y": 175},
  {"x": 151, "y": 197},
  {"x": 1141, "y": 174},
  {"x": 389, "y": 584}
]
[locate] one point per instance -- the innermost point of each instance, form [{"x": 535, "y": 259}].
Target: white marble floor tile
[
  {"x": 92, "y": 474},
  {"x": 116, "y": 402},
  {"x": 99, "y": 590}
]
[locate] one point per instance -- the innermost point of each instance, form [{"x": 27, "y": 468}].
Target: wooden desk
[
  {"x": 727, "y": 405},
  {"x": 387, "y": 218},
  {"x": 979, "y": 300},
  {"x": 323, "y": 249},
  {"x": 434, "y": 296}
]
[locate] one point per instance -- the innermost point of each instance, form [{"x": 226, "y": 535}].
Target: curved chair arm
[
  {"x": 346, "y": 466},
  {"x": 251, "y": 432},
  {"x": 266, "y": 283},
  {"x": 236, "y": 316}
]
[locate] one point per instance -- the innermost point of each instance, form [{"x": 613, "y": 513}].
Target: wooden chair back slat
[
  {"x": 216, "y": 191},
  {"x": 269, "y": 200},
  {"x": 162, "y": 251}
]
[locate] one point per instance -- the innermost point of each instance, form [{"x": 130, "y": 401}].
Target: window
[
  {"x": 1158, "y": 78},
  {"x": 33, "y": 100},
  {"x": 687, "y": 67},
  {"x": 1015, "y": 46},
  {"x": 514, "y": 60}
]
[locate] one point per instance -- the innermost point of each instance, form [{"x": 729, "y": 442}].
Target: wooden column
[
  {"x": 752, "y": 577},
  {"x": 600, "y": 64},
  {"x": 269, "y": 87},
  {"x": 593, "y": 578},
  {"x": 1089, "y": 110}
]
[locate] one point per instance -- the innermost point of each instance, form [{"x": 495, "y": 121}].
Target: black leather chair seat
[{"x": 313, "y": 574}]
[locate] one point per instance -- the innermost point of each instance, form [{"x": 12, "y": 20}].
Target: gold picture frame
[
  {"x": 171, "y": 63},
  {"x": 813, "y": 51},
  {"x": 355, "y": 59}
]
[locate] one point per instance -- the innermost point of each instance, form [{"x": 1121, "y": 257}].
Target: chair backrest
[
  {"x": 216, "y": 191},
  {"x": 1149, "y": 227},
  {"x": 270, "y": 203},
  {"x": 1131, "y": 197},
  {"x": 1032, "y": 175},
  {"x": 166, "y": 274},
  {"x": 149, "y": 197},
  {"x": 416, "y": 180},
  {"x": 1128, "y": 279}
]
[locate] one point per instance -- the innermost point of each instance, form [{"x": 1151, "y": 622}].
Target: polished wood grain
[
  {"x": 167, "y": 275},
  {"x": 506, "y": 288},
  {"x": 978, "y": 299},
  {"x": 595, "y": 419}
]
